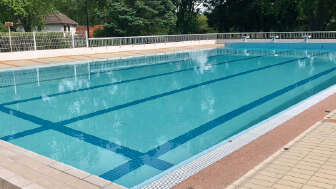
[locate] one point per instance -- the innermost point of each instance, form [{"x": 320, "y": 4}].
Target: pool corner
[{"x": 20, "y": 168}]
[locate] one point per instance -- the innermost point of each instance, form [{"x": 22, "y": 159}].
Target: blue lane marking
[
  {"x": 24, "y": 133},
  {"x": 122, "y": 82},
  {"x": 174, "y": 143},
  {"x": 130, "y": 153},
  {"x": 91, "y": 139},
  {"x": 121, "y": 170},
  {"x": 154, "y": 97}
]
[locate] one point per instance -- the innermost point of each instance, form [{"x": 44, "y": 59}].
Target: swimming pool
[{"x": 129, "y": 120}]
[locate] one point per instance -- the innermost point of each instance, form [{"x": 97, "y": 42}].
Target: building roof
[{"x": 59, "y": 18}]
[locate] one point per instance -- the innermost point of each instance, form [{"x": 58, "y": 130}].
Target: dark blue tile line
[
  {"x": 122, "y": 82},
  {"x": 178, "y": 141},
  {"x": 130, "y": 153},
  {"x": 24, "y": 133},
  {"x": 26, "y": 117},
  {"x": 91, "y": 139},
  {"x": 121, "y": 170},
  {"x": 154, "y": 97}
]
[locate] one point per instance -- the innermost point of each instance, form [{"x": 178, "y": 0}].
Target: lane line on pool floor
[
  {"x": 165, "y": 94},
  {"x": 121, "y": 82}
]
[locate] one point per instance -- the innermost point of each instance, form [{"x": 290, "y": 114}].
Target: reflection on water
[
  {"x": 246, "y": 52},
  {"x": 201, "y": 59},
  {"x": 301, "y": 63}
]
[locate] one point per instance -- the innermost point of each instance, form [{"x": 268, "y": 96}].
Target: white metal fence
[{"x": 58, "y": 40}]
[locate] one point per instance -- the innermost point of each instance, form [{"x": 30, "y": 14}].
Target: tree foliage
[
  {"x": 187, "y": 12},
  {"x": 137, "y": 17},
  {"x": 76, "y": 10},
  {"x": 29, "y": 13},
  {"x": 3, "y": 28},
  {"x": 150, "y": 17},
  {"x": 271, "y": 15}
]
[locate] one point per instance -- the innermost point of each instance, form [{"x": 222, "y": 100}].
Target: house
[{"x": 56, "y": 22}]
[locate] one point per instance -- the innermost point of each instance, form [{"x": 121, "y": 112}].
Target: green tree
[
  {"x": 316, "y": 14},
  {"x": 202, "y": 25},
  {"x": 76, "y": 10},
  {"x": 271, "y": 15},
  {"x": 30, "y": 13},
  {"x": 187, "y": 12},
  {"x": 137, "y": 17}
]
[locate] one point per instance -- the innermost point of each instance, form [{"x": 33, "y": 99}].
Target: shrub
[{"x": 3, "y": 28}]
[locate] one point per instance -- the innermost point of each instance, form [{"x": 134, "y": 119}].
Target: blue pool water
[{"x": 129, "y": 120}]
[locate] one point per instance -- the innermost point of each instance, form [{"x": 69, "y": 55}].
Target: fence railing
[{"x": 31, "y": 41}]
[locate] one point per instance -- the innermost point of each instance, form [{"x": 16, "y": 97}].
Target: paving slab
[{"x": 311, "y": 170}]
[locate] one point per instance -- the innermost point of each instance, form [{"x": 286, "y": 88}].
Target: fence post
[
  {"x": 34, "y": 37},
  {"x": 10, "y": 39},
  {"x": 73, "y": 39},
  {"x": 87, "y": 39}
]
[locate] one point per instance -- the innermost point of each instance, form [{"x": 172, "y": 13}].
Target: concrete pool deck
[
  {"x": 308, "y": 162},
  {"x": 20, "y": 168},
  {"x": 99, "y": 56}
]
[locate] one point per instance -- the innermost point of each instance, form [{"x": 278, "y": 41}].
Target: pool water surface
[{"x": 129, "y": 120}]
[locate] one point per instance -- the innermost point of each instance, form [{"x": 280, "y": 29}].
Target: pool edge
[{"x": 22, "y": 158}]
